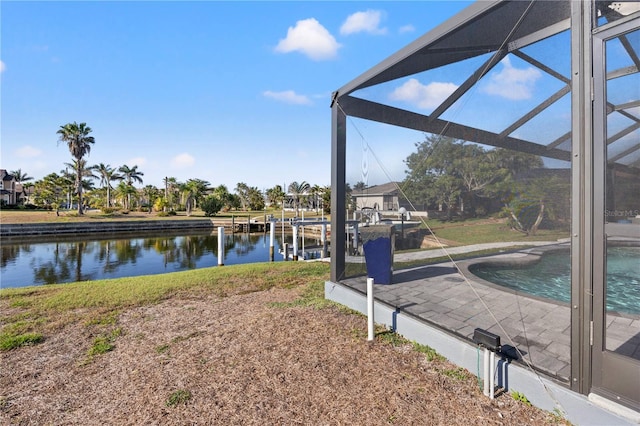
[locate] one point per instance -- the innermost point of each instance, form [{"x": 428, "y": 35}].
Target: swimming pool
[{"x": 550, "y": 277}]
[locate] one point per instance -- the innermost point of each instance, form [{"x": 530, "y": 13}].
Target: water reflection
[{"x": 84, "y": 258}]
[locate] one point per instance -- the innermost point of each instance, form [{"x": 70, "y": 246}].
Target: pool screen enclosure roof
[
  {"x": 496, "y": 28},
  {"x": 478, "y": 39}
]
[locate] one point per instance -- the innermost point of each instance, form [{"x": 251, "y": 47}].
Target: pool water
[{"x": 551, "y": 277}]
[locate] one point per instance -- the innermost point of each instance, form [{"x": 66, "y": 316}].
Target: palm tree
[
  {"x": 276, "y": 195},
  {"x": 326, "y": 199},
  {"x": 77, "y": 138},
  {"x": 27, "y": 190},
  {"x": 315, "y": 192},
  {"x": 360, "y": 186},
  {"x": 170, "y": 183},
  {"x": 193, "y": 191},
  {"x": 19, "y": 176},
  {"x": 297, "y": 191},
  {"x": 242, "y": 189},
  {"x": 222, "y": 194},
  {"x": 124, "y": 191},
  {"x": 20, "y": 179},
  {"x": 130, "y": 174},
  {"x": 66, "y": 181},
  {"x": 107, "y": 175},
  {"x": 87, "y": 172},
  {"x": 150, "y": 192}
]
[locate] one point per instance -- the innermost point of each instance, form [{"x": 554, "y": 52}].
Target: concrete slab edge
[{"x": 540, "y": 391}]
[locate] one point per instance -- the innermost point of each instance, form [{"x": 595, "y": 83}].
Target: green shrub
[{"x": 211, "y": 205}]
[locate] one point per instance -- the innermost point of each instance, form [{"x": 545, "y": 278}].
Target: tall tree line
[{"x": 454, "y": 176}]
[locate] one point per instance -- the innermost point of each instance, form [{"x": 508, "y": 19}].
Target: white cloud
[
  {"x": 406, "y": 29},
  {"x": 310, "y": 38},
  {"x": 368, "y": 21},
  {"x": 27, "y": 151},
  {"x": 512, "y": 83},
  {"x": 423, "y": 96},
  {"x": 137, "y": 161},
  {"x": 2, "y": 66},
  {"x": 182, "y": 161},
  {"x": 288, "y": 96}
]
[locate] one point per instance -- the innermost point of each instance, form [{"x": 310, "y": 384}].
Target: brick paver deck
[{"x": 539, "y": 329}]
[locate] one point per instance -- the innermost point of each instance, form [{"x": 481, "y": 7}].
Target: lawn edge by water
[
  {"x": 8, "y": 217},
  {"x": 29, "y": 313}
]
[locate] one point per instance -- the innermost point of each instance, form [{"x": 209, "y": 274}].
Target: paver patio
[{"x": 540, "y": 329}]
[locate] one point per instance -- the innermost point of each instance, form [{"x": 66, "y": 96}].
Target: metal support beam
[
  {"x": 361, "y": 108},
  {"x": 537, "y": 110},
  {"x": 338, "y": 189},
  {"x": 541, "y": 66},
  {"x": 464, "y": 87},
  {"x": 582, "y": 193}
]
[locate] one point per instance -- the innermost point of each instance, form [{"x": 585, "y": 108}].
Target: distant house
[
  {"x": 379, "y": 197},
  {"x": 10, "y": 189}
]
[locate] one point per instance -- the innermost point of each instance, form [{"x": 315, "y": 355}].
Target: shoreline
[
  {"x": 29, "y": 224},
  {"x": 13, "y": 230}
]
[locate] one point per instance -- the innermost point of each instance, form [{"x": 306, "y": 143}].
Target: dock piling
[
  {"x": 221, "y": 246},
  {"x": 272, "y": 239}
]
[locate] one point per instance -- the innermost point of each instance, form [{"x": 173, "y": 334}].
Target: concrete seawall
[{"x": 42, "y": 229}]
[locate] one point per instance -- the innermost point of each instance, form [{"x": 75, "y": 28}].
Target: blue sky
[{"x": 227, "y": 92}]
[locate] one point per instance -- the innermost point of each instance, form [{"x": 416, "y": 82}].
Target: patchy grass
[
  {"x": 394, "y": 339},
  {"x": 162, "y": 348},
  {"x": 109, "y": 318},
  {"x": 13, "y": 341},
  {"x": 458, "y": 373},
  {"x": 39, "y": 310},
  {"x": 429, "y": 352},
  {"x": 390, "y": 337},
  {"x": 519, "y": 396},
  {"x": 312, "y": 295},
  {"x": 297, "y": 364},
  {"x": 20, "y": 330},
  {"x": 178, "y": 397},
  {"x": 102, "y": 344}
]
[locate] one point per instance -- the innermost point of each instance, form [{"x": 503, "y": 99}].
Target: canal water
[{"x": 81, "y": 258}]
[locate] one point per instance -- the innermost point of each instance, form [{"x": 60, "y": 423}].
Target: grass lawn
[
  {"x": 30, "y": 312},
  {"x": 71, "y": 216},
  {"x": 243, "y": 344},
  {"x": 479, "y": 231}
]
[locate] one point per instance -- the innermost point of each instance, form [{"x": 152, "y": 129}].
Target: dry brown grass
[{"x": 243, "y": 359}]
